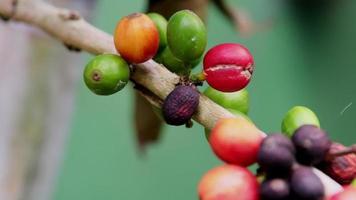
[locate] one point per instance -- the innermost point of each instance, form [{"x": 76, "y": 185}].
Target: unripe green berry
[
  {"x": 186, "y": 36},
  {"x": 106, "y": 74}
]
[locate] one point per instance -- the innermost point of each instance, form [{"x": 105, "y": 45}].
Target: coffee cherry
[
  {"x": 297, "y": 117},
  {"x": 161, "y": 25},
  {"x": 233, "y": 100},
  {"x": 180, "y": 105},
  {"x": 276, "y": 155},
  {"x": 348, "y": 194},
  {"x": 343, "y": 168},
  {"x": 274, "y": 189},
  {"x": 305, "y": 185},
  {"x": 228, "y": 67},
  {"x": 173, "y": 64},
  {"x": 186, "y": 36},
  {"x": 311, "y": 144},
  {"x": 136, "y": 38},
  {"x": 106, "y": 74},
  {"x": 235, "y": 141},
  {"x": 354, "y": 183},
  {"x": 228, "y": 182},
  {"x": 236, "y": 113}
]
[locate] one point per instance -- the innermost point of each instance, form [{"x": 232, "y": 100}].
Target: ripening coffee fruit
[
  {"x": 235, "y": 141},
  {"x": 297, "y": 117},
  {"x": 276, "y": 155},
  {"x": 274, "y": 189},
  {"x": 186, "y": 36},
  {"x": 136, "y": 38},
  {"x": 228, "y": 182},
  {"x": 106, "y": 74},
  {"x": 180, "y": 105},
  {"x": 311, "y": 143},
  {"x": 228, "y": 67},
  {"x": 306, "y": 185}
]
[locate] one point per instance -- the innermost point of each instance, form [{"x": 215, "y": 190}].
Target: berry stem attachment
[
  {"x": 348, "y": 150},
  {"x": 198, "y": 78}
]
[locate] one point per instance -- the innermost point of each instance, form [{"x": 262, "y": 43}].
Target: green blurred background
[{"x": 306, "y": 57}]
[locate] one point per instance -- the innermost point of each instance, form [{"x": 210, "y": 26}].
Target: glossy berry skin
[
  {"x": 228, "y": 182},
  {"x": 136, "y": 38},
  {"x": 306, "y": 185},
  {"x": 186, "y": 36},
  {"x": 106, "y": 74},
  {"x": 161, "y": 25},
  {"x": 231, "y": 100},
  {"x": 235, "y": 141},
  {"x": 343, "y": 168},
  {"x": 276, "y": 155},
  {"x": 311, "y": 143},
  {"x": 297, "y": 117},
  {"x": 228, "y": 67},
  {"x": 180, "y": 105},
  {"x": 274, "y": 189},
  {"x": 348, "y": 194}
]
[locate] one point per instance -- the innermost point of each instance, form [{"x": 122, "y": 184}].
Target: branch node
[
  {"x": 72, "y": 48},
  {"x": 12, "y": 13},
  {"x": 68, "y": 15}
]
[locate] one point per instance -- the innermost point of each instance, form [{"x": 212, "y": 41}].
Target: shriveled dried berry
[
  {"x": 180, "y": 105},
  {"x": 311, "y": 144},
  {"x": 343, "y": 168},
  {"x": 306, "y": 185}
]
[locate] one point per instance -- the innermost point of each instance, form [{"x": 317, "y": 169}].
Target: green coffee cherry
[
  {"x": 297, "y": 117},
  {"x": 161, "y": 24},
  {"x": 234, "y": 112},
  {"x": 106, "y": 74},
  {"x": 186, "y": 36},
  {"x": 173, "y": 64},
  {"x": 231, "y": 100}
]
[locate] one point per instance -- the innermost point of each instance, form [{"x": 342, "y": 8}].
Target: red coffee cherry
[{"x": 228, "y": 67}]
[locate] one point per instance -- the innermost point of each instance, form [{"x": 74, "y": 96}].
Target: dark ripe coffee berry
[
  {"x": 311, "y": 144},
  {"x": 274, "y": 189},
  {"x": 180, "y": 105},
  {"x": 343, "y": 168},
  {"x": 276, "y": 155},
  {"x": 305, "y": 185}
]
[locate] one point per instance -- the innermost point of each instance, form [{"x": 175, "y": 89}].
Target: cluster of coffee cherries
[
  {"x": 179, "y": 45},
  {"x": 285, "y": 160}
]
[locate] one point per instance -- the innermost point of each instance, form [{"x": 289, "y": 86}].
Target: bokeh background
[{"x": 306, "y": 56}]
